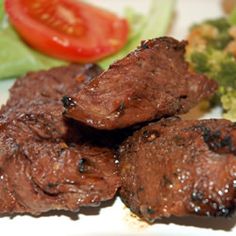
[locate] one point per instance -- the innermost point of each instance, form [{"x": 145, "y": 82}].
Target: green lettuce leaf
[{"x": 17, "y": 57}]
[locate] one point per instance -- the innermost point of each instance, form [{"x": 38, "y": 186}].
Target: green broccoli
[
  {"x": 199, "y": 61},
  {"x": 214, "y": 61},
  {"x": 227, "y": 73},
  {"x": 221, "y": 41},
  {"x": 221, "y": 24},
  {"x": 229, "y": 104},
  {"x": 223, "y": 38},
  {"x": 217, "y": 65}
]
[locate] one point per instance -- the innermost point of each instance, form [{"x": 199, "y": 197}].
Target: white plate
[{"x": 113, "y": 218}]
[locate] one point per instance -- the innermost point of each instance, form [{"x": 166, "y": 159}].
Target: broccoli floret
[
  {"x": 221, "y": 24},
  {"x": 229, "y": 105},
  {"x": 220, "y": 66},
  {"x": 223, "y": 37},
  {"x": 220, "y": 38},
  {"x": 216, "y": 64},
  {"x": 220, "y": 42},
  {"x": 227, "y": 73},
  {"x": 199, "y": 61},
  {"x": 207, "y": 55}
]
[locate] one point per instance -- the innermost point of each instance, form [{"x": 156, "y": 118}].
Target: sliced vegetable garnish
[
  {"x": 67, "y": 29},
  {"x": 17, "y": 58}
]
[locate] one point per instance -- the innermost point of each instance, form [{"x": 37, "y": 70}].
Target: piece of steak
[
  {"x": 152, "y": 82},
  {"x": 46, "y": 163},
  {"x": 35, "y": 119},
  {"x": 44, "y": 176},
  {"x": 34, "y": 109},
  {"x": 52, "y": 84},
  {"x": 180, "y": 168}
]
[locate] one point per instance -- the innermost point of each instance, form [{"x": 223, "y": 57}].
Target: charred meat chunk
[
  {"x": 152, "y": 82},
  {"x": 53, "y": 83},
  {"x": 46, "y": 163},
  {"x": 180, "y": 168},
  {"x": 36, "y": 119},
  {"x": 44, "y": 176}
]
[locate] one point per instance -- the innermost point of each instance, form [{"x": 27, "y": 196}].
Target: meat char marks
[
  {"x": 152, "y": 82},
  {"x": 45, "y": 162},
  {"x": 180, "y": 168}
]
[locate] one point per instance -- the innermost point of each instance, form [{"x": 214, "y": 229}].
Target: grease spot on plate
[{"x": 133, "y": 221}]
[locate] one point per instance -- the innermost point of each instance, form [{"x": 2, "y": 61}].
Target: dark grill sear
[
  {"x": 46, "y": 163},
  {"x": 189, "y": 168},
  {"x": 152, "y": 82}
]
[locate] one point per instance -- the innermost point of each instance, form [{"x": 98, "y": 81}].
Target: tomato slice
[{"x": 68, "y": 29}]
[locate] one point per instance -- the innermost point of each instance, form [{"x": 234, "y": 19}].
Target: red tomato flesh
[{"x": 68, "y": 29}]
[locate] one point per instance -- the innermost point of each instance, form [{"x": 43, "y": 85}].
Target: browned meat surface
[
  {"x": 35, "y": 119},
  {"x": 41, "y": 177},
  {"x": 180, "y": 168},
  {"x": 45, "y": 162},
  {"x": 53, "y": 84},
  {"x": 152, "y": 82}
]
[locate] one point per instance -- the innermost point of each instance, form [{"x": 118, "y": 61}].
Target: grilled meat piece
[
  {"x": 36, "y": 119},
  {"x": 46, "y": 163},
  {"x": 34, "y": 107},
  {"x": 53, "y": 83},
  {"x": 152, "y": 82},
  {"x": 180, "y": 168},
  {"x": 44, "y": 176}
]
